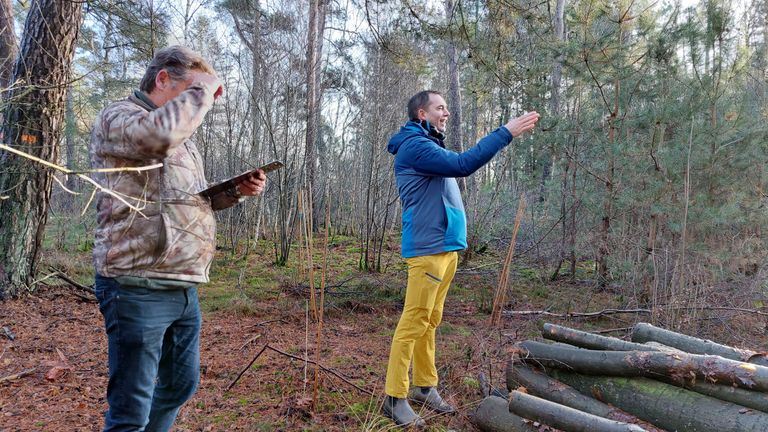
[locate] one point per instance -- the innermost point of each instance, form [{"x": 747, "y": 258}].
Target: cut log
[
  {"x": 543, "y": 386},
  {"x": 746, "y": 398},
  {"x": 661, "y": 347},
  {"x": 492, "y": 415},
  {"x": 644, "y": 332},
  {"x": 588, "y": 340},
  {"x": 678, "y": 366},
  {"x": 667, "y": 406},
  {"x": 562, "y": 417}
]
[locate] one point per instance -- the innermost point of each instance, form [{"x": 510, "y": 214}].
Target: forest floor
[{"x": 55, "y": 339}]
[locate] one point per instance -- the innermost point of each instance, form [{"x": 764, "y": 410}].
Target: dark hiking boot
[
  {"x": 401, "y": 413},
  {"x": 429, "y": 397}
]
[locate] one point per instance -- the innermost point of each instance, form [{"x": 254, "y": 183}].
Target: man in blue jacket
[{"x": 434, "y": 229}]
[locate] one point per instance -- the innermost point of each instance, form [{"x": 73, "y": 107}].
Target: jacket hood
[{"x": 414, "y": 129}]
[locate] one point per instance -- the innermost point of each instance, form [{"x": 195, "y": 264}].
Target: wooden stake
[
  {"x": 319, "y": 337},
  {"x": 501, "y": 290},
  {"x": 309, "y": 236}
]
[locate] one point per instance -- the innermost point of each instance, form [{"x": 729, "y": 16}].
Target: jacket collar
[
  {"x": 140, "y": 98},
  {"x": 430, "y": 131}
]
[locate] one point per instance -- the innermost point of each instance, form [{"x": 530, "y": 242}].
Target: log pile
[{"x": 660, "y": 381}]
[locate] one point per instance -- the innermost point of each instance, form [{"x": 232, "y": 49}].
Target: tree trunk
[
  {"x": 679, "y": 366},
  {"x": 314, "y": 37},
  {"x": 543, "y": 386},
  {"x": 666, "y": 406},
  {"x": 70, "y": 133},
  {"x": 34, "y": 122},
  {"x": 492, "y": 415},
  {"x": 563, "y": 417},
  {"x": 7, "y": 43},
  {"x": 455, "y": 128},
  {"x": 558, "y": 26},
  {"x": 588, "y": 340},
  {"x": 644, "y": 332}
]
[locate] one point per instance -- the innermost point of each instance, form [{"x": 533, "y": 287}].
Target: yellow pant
[{"x": 428, "y": 280}]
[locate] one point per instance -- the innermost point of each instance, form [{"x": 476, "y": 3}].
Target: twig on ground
[
  {"x": 267, "y": 322},
  {"x": 249, "y": 341},
  {"x": 16, "y": 376},
  {"x": 330, "y": 371},
  {"x": 264, "y": 348}
]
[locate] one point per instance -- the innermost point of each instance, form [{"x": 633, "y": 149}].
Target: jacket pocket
[
  {"x": 135, "y": 243},
  {"x": 190, "y": 230}
]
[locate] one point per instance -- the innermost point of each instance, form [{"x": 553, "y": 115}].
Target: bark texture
[
  {"x": 543, "y": 386},
  {"x": 644, "y": 332},
  {"x": 667, "y": 406},
  {"x": 34, "y": 124},
  {"x": 563, "y": 417},
  {"x": 492, "y": 415},
  {"x": 589, "y": 340},
  {"x": 679, "y": 366}
]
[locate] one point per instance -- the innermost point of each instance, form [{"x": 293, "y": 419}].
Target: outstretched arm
[{"x": 431, "y": 159}]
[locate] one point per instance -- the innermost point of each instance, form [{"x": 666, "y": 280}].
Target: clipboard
[{"x": 232, "y": 182}]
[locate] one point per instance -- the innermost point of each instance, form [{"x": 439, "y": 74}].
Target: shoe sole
[{"x": 404, "y": 425}]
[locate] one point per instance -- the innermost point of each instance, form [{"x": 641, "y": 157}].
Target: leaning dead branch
[
  {"x": 63, "y": 276},
  {"x": 93, "y": 182}
]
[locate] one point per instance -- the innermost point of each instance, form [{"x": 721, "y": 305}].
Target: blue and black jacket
[{"x": 434, "y": 220}]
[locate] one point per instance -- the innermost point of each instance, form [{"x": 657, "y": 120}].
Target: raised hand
[
  {"x": 524, "y": 123},
  {"x": 209, "y": 79}
]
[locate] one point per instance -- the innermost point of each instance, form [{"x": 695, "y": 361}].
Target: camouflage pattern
[{"x": 175, "y": 239}]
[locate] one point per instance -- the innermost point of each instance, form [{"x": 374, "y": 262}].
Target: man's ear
[
  {"x": 162, "y": 79},
  {"x": 422, "y": 114}
]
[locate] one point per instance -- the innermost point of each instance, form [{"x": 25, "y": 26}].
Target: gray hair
[{"x": 177, "y": 60}]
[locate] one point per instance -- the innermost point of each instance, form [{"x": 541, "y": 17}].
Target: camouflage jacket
[{"x": 175, "y": 237}]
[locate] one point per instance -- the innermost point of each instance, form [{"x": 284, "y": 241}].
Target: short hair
[
  {"x": 177, "y": 60},
  {"x": 419, "y": 101}
]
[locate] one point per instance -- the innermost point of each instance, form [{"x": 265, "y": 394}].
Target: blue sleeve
[{"x": 428, "y": 158}]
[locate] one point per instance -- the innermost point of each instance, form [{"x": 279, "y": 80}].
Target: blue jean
[{"x": 154, "y": 353}]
